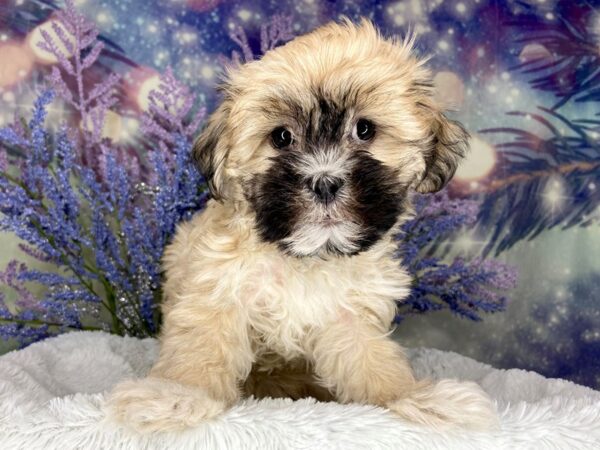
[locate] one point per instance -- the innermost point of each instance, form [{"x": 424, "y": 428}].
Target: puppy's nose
[{"x": 326, "y": 187}]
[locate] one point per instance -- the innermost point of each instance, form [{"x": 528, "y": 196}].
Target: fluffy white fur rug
[{"x": 51, "y": 397}]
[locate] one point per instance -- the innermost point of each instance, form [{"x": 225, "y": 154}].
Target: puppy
[{"x": 285, "y": 285}]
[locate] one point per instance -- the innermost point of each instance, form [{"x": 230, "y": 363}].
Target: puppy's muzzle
[{"x": 325, "y": 187}]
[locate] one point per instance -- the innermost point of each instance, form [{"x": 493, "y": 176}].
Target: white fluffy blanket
[{"x": 51, "y": 397}]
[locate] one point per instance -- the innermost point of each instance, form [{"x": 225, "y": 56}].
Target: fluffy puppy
[{"x": 285, "y": 285}]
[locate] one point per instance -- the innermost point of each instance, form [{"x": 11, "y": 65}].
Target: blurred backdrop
[{"x": 524, "y": 78}]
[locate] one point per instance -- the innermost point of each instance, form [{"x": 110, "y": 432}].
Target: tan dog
[{"x": 286, "y": 284}]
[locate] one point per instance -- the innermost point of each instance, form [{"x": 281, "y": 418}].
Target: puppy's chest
[
  {"x": 284, "y": 302},
  {"x": 275, "y": 291}
]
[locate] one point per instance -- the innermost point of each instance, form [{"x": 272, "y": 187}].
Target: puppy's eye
[
  {"x": 281, "y": 137},
  {"x": 364, "y": 129}
]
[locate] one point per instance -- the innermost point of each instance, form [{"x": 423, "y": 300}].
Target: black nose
[{"x": 326, "y": 187}]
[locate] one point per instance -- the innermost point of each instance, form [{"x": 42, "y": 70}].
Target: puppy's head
[{"x": 323, "y": 138}]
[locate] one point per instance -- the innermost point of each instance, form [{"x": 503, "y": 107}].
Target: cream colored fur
[{"x": 241, "y": 317}]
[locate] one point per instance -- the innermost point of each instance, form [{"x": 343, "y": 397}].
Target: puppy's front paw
[
  {"x": 155, "y": 404},
  {"x": 448, "y": 403}
]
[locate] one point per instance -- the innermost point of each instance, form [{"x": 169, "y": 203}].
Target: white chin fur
[{"x": 311, "y": 239}]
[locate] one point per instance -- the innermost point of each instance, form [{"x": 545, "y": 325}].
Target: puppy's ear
[
  {"x": 211, "y": 149},
  {"x": 447, "y": 145}
]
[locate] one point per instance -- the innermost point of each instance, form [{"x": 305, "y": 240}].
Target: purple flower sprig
[
  {"x": 171, "y": 115},
  {"x": 36, "y": 319},
  {"x": 277, "y": 30},
  {"x": 467, "y": 287},
  {"x": 75, "y": 44},
  {"x": 41, "y": 206}
]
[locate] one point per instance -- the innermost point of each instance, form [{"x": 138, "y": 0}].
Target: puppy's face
[{"x": 323, "y": 138}]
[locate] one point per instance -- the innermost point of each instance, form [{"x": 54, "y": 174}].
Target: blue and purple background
[{"x": 552, "y": 324}]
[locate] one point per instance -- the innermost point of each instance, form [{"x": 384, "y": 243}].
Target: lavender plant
[
  {"x": 466, "y": 286},
  {"x": 82, "y": 211},
  {"x": 91, "y": 100},
  {"x": 105, "y": 238},
  {"x": 170, "y": 108}
]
